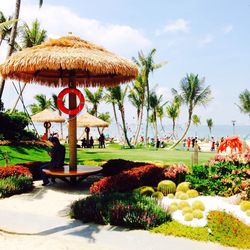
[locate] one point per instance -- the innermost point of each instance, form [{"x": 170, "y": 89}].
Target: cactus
[
  {"x": 178, "y": 194},
  {"x": 248, "y": 212},
  {"x": 187, "y": 210},
  {"x": 145, "y": 190},
  {"x": 199, "y": 205},
  {"x": 197, "y": 214},
  {"x": 183, "y": 196},
  {"x": 166, "y": 187},
  {"x": 188, "y": 217},
  {"x": 157, "y": 195},
  {"x": 173, "y": 208},
  {"x": 184, "y": 187},
  {"x": 192, "y": 193},
  {"x": 170, "y": 196},
  {"x": 183, "y": 204},
  {"x": 245, "y": 205}
]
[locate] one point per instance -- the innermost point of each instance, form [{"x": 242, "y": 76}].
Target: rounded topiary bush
[
  {"x": 184, "y": 187},
  {"x": 199, "y": 205},
  {"x": 183, "y": 204},
  {"x": 157, "y": 195},
  {"x": 197, "y": 214},
  {"x": 245, "y": 205},
  {"x": 187, "y": 210},
  {"x": 183, "y": 196},
  {"x": 170, "y": 196},
  {"x": 188, "y": 217},
  {"x": 166, "y": 187},
  {"x": 192, "y": 193},
  {"x": 145, "y": 190}
]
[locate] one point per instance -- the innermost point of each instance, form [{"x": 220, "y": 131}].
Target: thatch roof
[
  {"x": 56, "y": 59},
  {"x": 88, "y": 120},
  {"x": 47, "y": 116}
]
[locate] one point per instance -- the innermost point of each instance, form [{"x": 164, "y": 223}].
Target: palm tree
[
  {"x": 210, "y": 124},
  {"x": 55, "y": 108},
  {"x": 244, "y": 102},
  {"x": 110, "y": 98},
  {"x": 147, "y": 65},
  {"x": 193, "y": 93},
  {"x": 30, "y": 36},
  {"x": 119, "y": 97},
  {"x": 105, "y": 117},
  {"x": 13, "y": 37},
  {"x": 173, "y": 112},
  {"x": 160, "y": 114},
  {"x": 137, "y": 98},
  {"x": 196, "y": 121},
  {"x": 94, "y": 98},
  {"x": 42, "y": 104},
  {"x": 155, "y": 104}
]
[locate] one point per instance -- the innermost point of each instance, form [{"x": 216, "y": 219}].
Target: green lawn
[{"x": 19, "y": 154}]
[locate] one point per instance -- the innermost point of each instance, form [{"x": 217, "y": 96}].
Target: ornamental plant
[
  {"x": 176, "y": 172},
  {"x": 14, "y": 171}
]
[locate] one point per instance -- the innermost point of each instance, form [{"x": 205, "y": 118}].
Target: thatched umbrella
[
  {"x": 69, "y": 61},
  {"x": 89, "y": 121},
  {"x": 46, "y": 116}
]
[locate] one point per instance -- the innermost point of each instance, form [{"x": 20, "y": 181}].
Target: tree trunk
[
  {"x": 121, "y": 108},
  {"x": 116, "y": 121},
  {"x": 173, "y": 128},
  {"x": 139, "y": 126},
  {"x": 156, "y": 131},
  {"x": 11, "y": 41},
  {"x": 61, "y": 128},
  {"x": 185, "y": 132},
  {"x": 18, "y": 98},
  {"x": 148, "y": 109}
]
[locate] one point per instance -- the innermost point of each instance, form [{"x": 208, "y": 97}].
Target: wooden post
[
  {"x": 195, "y": 154},
  {"x": 72, "y": 125}
]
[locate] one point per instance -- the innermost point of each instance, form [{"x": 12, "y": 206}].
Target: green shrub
[
  {"x": 184, "y": 187},
  {"x": 15, "y": 185},
  {"x": 122, "y": 209},
  {"x": 229, "y": 230},
  {"x": 188, "y": 217},
  {"x": 245, "y": 205},
  {"x": 197, "y": 214},
  {"x": 157, "y": 195},
  {"x": 145, "y": 190},
  {"x": 192, "y": 193},
  {"x": 199, "y": 205},
  {"x": 166, "y": 187}
]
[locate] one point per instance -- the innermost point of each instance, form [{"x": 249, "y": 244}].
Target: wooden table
[{"x": 73, "y": 176}]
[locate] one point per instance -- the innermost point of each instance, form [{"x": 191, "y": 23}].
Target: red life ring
[
  {"x": 47, "y": 125},
  {"x": 60, "y": 103}
]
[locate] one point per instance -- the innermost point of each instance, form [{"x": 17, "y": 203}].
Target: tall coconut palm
[
  {"x": 42, "y": 104},
  {"x": 12, "y": 38},
  {"x": 119, "y": 96},
  {"x": 110, "y": 98},
  {"x": 147, "y": 65},
  {"x": 196, "y": 121},
  {"x": 210, "y": 124},
  {"x": 173, "y": 112},
  {"x": 193, "y": 93},
  {"x": 105, "y": 117},
  {"x": 94, "y": 98},
  {"x": 55, "y": 108},
  {"x": 137, "y": 98},
  {"x": 155, "y": 104},
  {"x": 244, "y": 102},
  {"x": 30, "y": 36}
]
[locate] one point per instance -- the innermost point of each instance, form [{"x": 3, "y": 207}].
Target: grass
[{"x": 19, "y": 154}]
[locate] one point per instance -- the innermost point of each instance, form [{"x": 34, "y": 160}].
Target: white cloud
[
  {"x": 227, "y": 29},
  {"x": 206, "y": 39},
  {"x": 179, "y": 25}
]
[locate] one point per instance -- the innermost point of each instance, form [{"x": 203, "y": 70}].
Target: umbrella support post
[{"x": 72, "y": 126}]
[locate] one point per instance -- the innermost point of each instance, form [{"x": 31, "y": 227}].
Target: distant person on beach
[
  {"x": 212, "y": 144},
  {"x": 44, "y": 137},
  {"x": 91, "y": 142},
  {"x": 188, "y": 143}
]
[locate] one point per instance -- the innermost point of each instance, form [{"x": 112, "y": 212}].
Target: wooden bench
[{"x": 73, "y": 176}]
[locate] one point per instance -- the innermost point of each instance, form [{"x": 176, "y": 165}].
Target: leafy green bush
[
  {"x": 123, "y": 209},
  {"x": 228, "y": 230},
  {"x": 15, "y": 185}
]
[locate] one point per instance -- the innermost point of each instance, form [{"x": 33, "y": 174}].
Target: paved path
[{"x": 39, "y": 220}]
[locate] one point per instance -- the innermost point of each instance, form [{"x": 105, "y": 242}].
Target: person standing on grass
[{"x": 57, "y": 154}]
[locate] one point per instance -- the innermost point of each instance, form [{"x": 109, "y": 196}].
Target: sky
[{"x": 210, "y": 38}]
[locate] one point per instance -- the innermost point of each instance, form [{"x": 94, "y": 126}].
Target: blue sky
[{"x": 210, "y": 38}]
